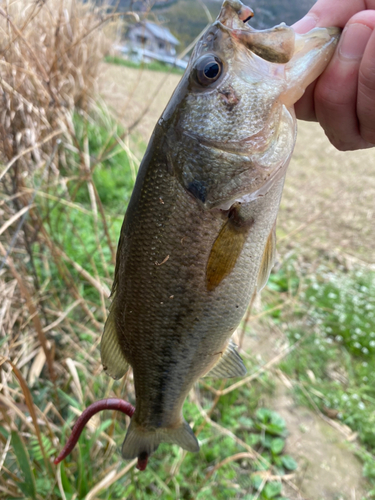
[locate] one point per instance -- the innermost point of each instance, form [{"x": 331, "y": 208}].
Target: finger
[
  {"x": 305, "y": 107},
  {"x": 326, "y": 13},
  {"x": 366, "y": 92},
  {"x": 336, "y": 90}
]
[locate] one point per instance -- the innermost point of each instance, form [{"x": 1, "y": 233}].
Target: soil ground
[
  {"x": 327, "y": 207},
  {"x": 327, "y": 466}
]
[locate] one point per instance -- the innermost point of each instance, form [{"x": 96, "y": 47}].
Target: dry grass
[{"x": 50, "y": 53}]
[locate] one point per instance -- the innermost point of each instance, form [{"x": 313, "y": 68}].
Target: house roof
[{"x": 161, "y": 32}]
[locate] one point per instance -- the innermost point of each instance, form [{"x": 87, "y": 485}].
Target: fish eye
[{"x": 208, "y": 69}]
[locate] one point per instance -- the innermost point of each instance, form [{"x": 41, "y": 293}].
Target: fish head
[
  {"x": 236, "y": 74},
  {"x": 228, "y": 108}
]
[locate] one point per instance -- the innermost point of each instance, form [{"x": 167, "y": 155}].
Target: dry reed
[
  {"x": 49, "y": 63},
  {"x": 50, "y": 54}
]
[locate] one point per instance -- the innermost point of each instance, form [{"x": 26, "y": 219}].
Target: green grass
[
  {"x": 152, "y": 66},
  {"x": 333, "y": 318},
  {"x": 260, "y": 428},
  {"x": 77, "y": 231},
  {"x": 114, "y": 175}
]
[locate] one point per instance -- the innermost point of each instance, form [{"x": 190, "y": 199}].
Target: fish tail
[{"x": 139, "y": 441}]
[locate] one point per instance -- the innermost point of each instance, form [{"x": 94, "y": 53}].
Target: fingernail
[
  {"x": 306, "y": 24},
  {"x": 354, "y": 40}
]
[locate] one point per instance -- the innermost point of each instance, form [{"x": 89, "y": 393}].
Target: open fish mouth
[{"x": 274, "y": 45}]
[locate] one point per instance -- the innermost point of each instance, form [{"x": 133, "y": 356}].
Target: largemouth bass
[{"x": 198, "y": 238}]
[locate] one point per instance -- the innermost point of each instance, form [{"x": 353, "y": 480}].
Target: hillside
[{"x": 186, "y": 18}]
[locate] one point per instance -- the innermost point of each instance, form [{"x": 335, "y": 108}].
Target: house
[
  {"x": 152, "y": 37},
  {"x": 147, "y": 41}
]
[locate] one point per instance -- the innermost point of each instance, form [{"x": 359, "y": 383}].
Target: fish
[{"x": 198, "y": 238}]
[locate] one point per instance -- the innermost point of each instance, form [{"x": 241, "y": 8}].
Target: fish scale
[{"x": 198, "y": 238}]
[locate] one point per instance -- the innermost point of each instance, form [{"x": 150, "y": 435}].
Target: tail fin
[{"x": 139, "y": 441}]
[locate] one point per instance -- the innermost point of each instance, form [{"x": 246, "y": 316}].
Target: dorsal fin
[
  {"x": 268, "y": 260},
  {"x": 229, "y": 365},
  {"x": 113, "y": 360}
]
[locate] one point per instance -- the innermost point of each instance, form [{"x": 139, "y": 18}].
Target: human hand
[{"x": 342, "y": 99}]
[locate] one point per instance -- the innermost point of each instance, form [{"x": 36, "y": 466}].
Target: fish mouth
[
  {"x": 234, "y": 12},
  {"x": 275, "y": 45}
]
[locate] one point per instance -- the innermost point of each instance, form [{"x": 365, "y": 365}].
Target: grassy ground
[{"x": 310, "y": 340}]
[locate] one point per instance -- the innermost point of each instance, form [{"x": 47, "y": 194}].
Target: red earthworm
[{"x": 103, "y": 404}]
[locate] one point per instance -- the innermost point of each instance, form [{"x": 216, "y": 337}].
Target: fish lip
[
  {"x": 231, "y": 30},
  {"x": 247, "y": 28},
  {"x": 235, "y": 32}
]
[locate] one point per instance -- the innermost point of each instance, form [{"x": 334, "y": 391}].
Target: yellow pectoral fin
[
  {"x": 268, "y": 260},
  {"x": 224, "y": 254},
  {"x": 113, "y": 360}
]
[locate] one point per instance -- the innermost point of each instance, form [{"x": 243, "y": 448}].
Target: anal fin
[
  {"x": 268, "y": 260},
  {"x": 113, "y": 360},
  {"x": 229, "y": 365}
]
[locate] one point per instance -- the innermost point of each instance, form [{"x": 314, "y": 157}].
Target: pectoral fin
[
  {"x": 113, "y": 360},
  {"x": 268, "y": 260},
  {"x": 229, "y": 365},
  {"x": 227, "y": 248}
]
